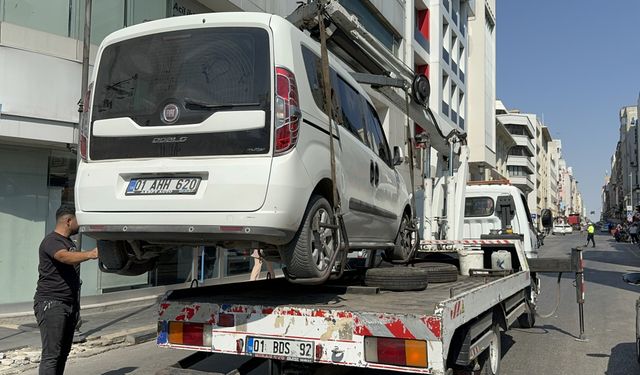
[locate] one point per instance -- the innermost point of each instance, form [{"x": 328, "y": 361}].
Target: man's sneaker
[{"x": 79, "y": 337}]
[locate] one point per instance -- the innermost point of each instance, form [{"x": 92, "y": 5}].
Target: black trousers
[
  {"x": 57, "y": 321},
  {"x": 590, "y": 238}
]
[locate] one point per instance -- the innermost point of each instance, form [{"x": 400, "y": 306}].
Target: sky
[{"x": 576, "y": 63}]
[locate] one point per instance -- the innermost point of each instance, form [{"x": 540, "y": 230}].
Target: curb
[
  {"x": 130, "y": 336},
  {"x": 99, "y": 307}
]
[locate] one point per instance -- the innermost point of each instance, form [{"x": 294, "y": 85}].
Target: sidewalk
[{"x": 129, "y": 323}]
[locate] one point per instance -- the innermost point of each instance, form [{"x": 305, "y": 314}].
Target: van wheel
[
  {"x": 309, "y": 253},
  {"x": 489, "y": 360},
  {"x": 405, "y": 240}
]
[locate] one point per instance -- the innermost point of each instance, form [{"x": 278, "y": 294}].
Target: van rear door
[{"x": 189, "y": 110}]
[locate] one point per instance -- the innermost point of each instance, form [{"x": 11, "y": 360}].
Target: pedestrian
[
  {"x": 633, "y": 232},
  {"x": 591, "y": 229},
  {"x": 56, "y": 302}
]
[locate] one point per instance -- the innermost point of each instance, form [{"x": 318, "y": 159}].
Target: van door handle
[
  {"x": 372, "y": 172},
  {"x": 376, "y": 174}
]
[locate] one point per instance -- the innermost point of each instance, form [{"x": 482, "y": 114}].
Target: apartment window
[
  {"x": 51, "y": 16},
  {"x": 422, "y": 69},
  {"x": 422, "y": 28},
  {"x": 461, "y": 107},
  {"x": 445, "y": 94},
  {"x": 518, "y": 130},
  {"x": 462, "y": 61},
  {"x": 446, "y": 38},
  {"x": 520, "y": 151},
  {"x": 373, "y": 23},
  {"x": 519, "y": 171}
]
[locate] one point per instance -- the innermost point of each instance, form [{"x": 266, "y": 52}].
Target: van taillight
[
  {"x": 84, "y": 123},
  {"x": 287, "y": 111}
]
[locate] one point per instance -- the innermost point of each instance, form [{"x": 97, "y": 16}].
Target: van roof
[{"x": 187, "y": 22}]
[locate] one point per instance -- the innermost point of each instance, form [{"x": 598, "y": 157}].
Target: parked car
[
  {"x": 561, "y": 228},
  {"x": 634, "y": 279},
  {"x": 210, "y": 129},
  {"x": 604, "y": 228}
]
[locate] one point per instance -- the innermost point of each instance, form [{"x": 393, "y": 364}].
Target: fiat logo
[{"x": 170, "y": 113}]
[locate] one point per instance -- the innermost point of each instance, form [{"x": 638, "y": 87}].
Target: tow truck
[{"x": 450, "y": 327}]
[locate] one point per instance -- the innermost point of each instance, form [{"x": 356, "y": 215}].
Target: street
[{"x": 549, "y": 348}]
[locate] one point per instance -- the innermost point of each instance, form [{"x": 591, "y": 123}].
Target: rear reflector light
[
  {"x": 399, "y": 352},
  {"x": 192, "y": 334},
  {"x": 226, "y": 320},
  {"x": 287, "y": 111},
  {"x": 231, "y": 228}
]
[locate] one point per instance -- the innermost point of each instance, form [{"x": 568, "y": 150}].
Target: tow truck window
[{"x": 478, "y": 206}]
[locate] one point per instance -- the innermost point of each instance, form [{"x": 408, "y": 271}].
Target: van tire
[
  {"x": 439, "y": 272},
  {"x": 397, "y": 278},
  {"x": 300, "y": 259},
  {"x": 490, "y": 359},
  {"x": 403, "y": 242}
]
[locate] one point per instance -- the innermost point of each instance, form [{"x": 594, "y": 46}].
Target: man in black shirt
[{"x": 56, "y": 303}]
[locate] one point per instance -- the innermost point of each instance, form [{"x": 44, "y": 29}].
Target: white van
[{"x": 210, "y": 129}]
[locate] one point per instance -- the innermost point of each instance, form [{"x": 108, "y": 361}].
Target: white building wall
[{"x": 481, "y": 88}]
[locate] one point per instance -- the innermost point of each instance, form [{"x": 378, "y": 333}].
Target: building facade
[
  {"x": 521, "y": 157},
  {"x": 481, "y": 87},
  {"x": 621, "y": 194}
]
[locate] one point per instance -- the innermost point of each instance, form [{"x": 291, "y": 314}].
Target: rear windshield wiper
[{"x": 197, "y": 104}]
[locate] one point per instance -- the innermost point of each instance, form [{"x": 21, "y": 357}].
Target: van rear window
[
  {"x": 478, "y": 206},
  {"x": 192, "y": 73}
]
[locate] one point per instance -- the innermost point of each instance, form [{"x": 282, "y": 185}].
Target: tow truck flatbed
[
  {"x": 342, "y": 323},
  {"x": 279, "y": 292}
]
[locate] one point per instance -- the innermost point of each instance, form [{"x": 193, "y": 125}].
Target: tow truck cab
[{"x": 487, "y": 203}]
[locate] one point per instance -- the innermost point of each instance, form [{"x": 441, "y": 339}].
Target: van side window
[
  {"x": 478, "y": 206},
  {"x": 314, "y": 75},
  {"x": 375, "y": 133},
  {"x": 313, "y": 69},
  {"x": 351, "y": 108}
]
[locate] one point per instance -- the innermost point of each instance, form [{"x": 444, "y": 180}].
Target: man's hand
[
  {"x": 75, "y": 257},
  {"x": 93, "y": 254}
]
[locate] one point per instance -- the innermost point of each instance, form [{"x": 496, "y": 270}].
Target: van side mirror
[
  {"x": 632, "y": 278},
  {"x": 398, "y": 156}
]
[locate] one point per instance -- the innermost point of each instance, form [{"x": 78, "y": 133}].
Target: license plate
[
  {"x": 275, "y": 348},
  {"x": 163, "y": 186}
]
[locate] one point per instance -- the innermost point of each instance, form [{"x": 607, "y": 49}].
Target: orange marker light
[
  {"x": 416, "y": 353},
  {"x": 175, "y": 332}
]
